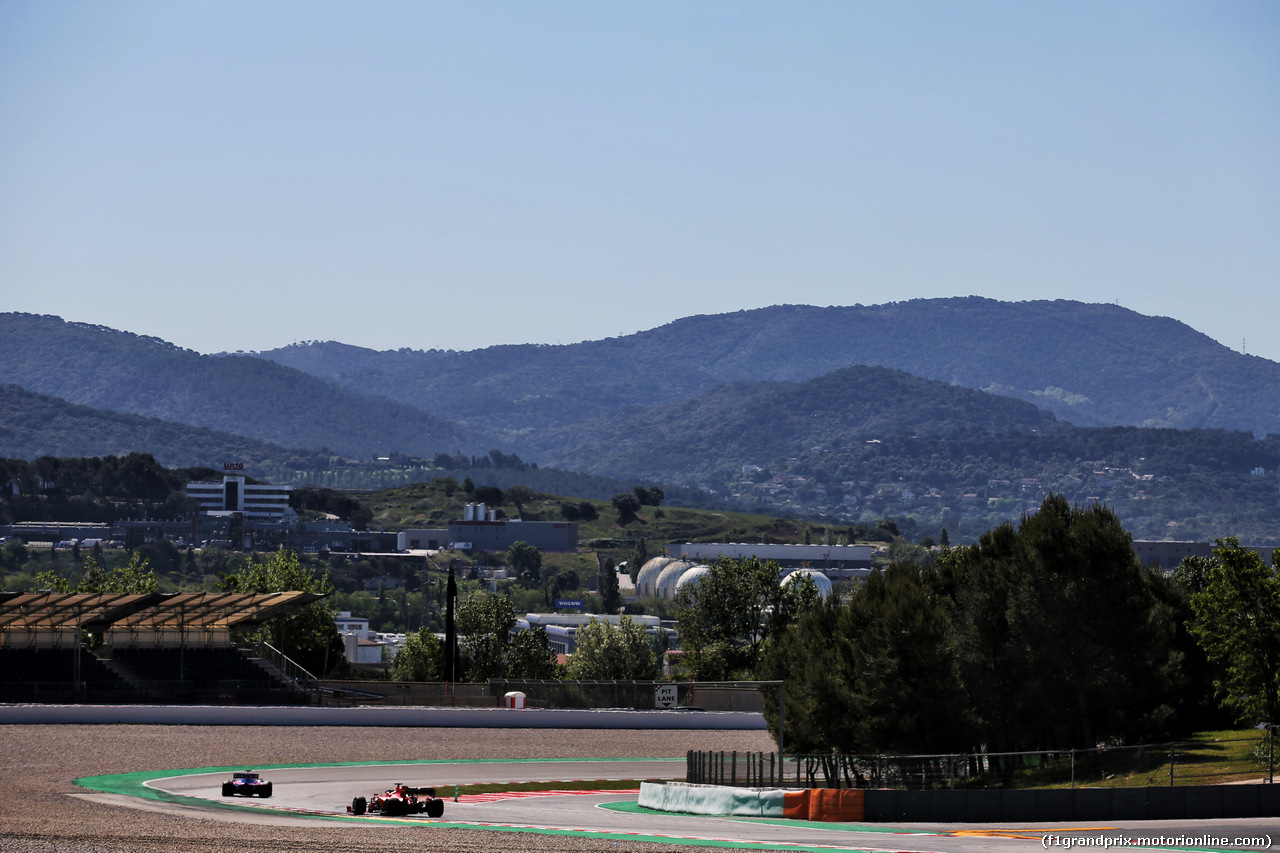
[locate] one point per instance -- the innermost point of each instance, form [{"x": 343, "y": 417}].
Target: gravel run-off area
[{"x": 40, "y": 811}]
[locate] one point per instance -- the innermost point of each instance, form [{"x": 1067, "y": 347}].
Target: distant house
[{"x": 360, "y": 645}]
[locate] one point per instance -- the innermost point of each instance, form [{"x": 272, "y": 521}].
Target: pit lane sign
[{"x": 664, "y": 696}]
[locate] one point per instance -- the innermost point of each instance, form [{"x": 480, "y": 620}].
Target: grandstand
[{"x": 155, "y": 647}]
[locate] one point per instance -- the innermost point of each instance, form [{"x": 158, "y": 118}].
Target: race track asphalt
[
  {"x": 569, "y": 811},
  {"x": 316, "y": 772}
]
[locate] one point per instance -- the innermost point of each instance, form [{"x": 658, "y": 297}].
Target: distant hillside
[
  {"x": 770, "y": 410},
  {"x": 1094, "y": 365},
  {"x": 122, "y": 372},
  {"x": 701, "y": 437},
  {"x": 865, "y": 443},
  {"x": 33, "y": 425}
]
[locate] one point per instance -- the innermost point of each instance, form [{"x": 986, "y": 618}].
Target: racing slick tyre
[
  {"x": 358, "y": 805},
  {"x": 227, "y": 789},
  {"x": 264, "y": 790},
  {"x": 435, "y": 808}
]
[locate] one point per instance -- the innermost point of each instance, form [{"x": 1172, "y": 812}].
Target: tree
[
  {"x": 51, "y": 580},
  {"x": 526, "y": 561},
  {"x": 134, "y": 578},
  {"x": 1062, "y": 641},
  {"x": 1238, "y": 625},
  {"x": 529, "y": 655},
  {"x": 309, "y": 635},
  {"x": 627, "y": 505},
  {"x": 421, "y": 658},
  {"x": 649, "y": 496},
  {"x": 1188, "y": 673},
  {"x": 484, "y": 627},
  {"x": 638, "y": 557},
  {"x": 606, "y": 653},
  {"x": 808, "y": 659},
  {"x": 879, "y": 674},
  {"x": 610, "y": 594},
  {"x": 489, "y": 495},
  {"x": 728, "y": 616},
  {"x": 520, "y": 495},
  {"x": 1192, "y": 573},
  {"x": 162, "y": 555},
  {"x": 14, "y": 553}
]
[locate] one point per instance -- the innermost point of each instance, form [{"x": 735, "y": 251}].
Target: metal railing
[
  {"x": 1246, "y": 757},
  {"x": 178, "y": 692},
  {"x": 635, "y": 695},
  {"x": 290, "y": 669}
]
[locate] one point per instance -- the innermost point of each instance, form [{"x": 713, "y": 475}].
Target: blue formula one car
[{"x": 246, "y": 784}]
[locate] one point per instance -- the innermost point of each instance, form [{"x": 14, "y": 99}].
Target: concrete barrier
[
  {"x": 818, "y": 804},
  {"x": 1190, "y": 802},
  {"x": 711, "y": 799},
  {"x": 495, "y": 718},
  {"x": 837, "y": 804},
  {"x": 1197, "y": 802}
]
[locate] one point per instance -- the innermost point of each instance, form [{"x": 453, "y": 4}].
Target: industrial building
[
  {"x": 836, "y": 561},
  {"x": 1167, "y": 556},
  {"x": 663, "y": 577},
  {"x": 481, "y": 530},
  {"x": 562, "y": 628},
  {"x": 234, "y": 494}
]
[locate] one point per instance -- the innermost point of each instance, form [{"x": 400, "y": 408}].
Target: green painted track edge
[{"x": 134, "y": 785}]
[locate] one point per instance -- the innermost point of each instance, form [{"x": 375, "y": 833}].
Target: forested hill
[
  {"x": 122, "y": 372},
  {"x": 867, "y": 442},
  {"x": 33, "y": 425},
  {"x": 1090, "y": 364},
  {"x": 745, "y": 424}
]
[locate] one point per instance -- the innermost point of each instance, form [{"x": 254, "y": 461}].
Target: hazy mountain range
[
  {"x": 1093, "y": 365},
  {"x": 698, "y": 401}
]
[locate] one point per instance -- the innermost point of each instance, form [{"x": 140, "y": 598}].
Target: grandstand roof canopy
[{"x": 96, "y": 611}]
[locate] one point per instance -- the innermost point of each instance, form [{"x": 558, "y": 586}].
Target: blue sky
[{"x": 244, "y": 175}]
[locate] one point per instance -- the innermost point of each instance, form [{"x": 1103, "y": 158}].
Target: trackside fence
[
  {"x": 635, "y": 695},
  {"x": 1246, "y": 757}
]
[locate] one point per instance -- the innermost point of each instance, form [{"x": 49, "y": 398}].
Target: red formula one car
[
  {"x": 246, "y": 784},
  {"x": 400, "y": 800}
]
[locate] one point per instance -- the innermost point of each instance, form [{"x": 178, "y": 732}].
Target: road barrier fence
[{"x": 1248, "y": 757}]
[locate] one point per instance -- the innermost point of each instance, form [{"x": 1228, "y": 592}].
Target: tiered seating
[
  {"x": 45, "y": 674},
  {"x": 198, "y": 667}
]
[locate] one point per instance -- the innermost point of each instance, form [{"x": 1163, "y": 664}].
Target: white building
[
  {"x": 835, "y": 561},
  {"x": 360, "y": 645},
  {"x": 233, "y": 494},
  {"x": 562, "y": 628}
]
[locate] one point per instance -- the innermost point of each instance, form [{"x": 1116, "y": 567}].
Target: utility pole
[{"x": 450, "y": 630}]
